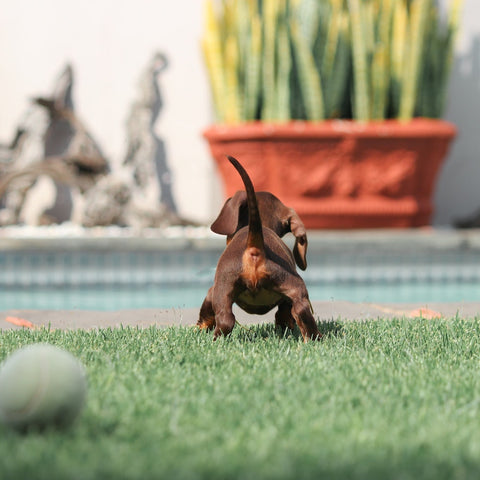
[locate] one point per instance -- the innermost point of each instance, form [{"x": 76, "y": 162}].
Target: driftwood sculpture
[
  {"x": 139, "y": 192},
  {"x": 52, "y": 162},
  {"x": 146, "y": 155},
  {"x": 53, "y": 171}
]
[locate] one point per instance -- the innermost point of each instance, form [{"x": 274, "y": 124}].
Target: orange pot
[{"x": 340, "y": 173}]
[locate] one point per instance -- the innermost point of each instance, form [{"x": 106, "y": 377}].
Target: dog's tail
[
  {"x": 255, "y": 233},
  {"x": 254, "y": 258}
]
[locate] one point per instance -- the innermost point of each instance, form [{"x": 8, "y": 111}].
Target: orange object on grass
[
  {"x": 20, "y": 322},
  {"x": 424, "y": 313}
]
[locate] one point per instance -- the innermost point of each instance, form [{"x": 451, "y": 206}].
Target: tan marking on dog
[{"x": 253, "y": 268}]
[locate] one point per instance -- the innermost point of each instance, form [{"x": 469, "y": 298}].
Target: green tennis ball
[{"x": 41, "y": 386}]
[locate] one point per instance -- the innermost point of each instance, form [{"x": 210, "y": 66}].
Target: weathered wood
[{"x": 54, "y": 171}]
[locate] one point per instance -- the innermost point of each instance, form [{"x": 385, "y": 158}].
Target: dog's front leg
[{"x": 284, "y": 318}]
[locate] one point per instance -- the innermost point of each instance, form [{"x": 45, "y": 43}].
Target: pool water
[
  {"x": 112, "y": 297},
  {"x": 113, "y": 278},
  {"x": 102, "y": 297}
]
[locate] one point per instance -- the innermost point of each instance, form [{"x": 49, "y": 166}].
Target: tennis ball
[{"x": 41, "y": 386}]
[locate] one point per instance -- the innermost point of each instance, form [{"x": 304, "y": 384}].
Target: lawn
[{"x": 375, "y": 400}]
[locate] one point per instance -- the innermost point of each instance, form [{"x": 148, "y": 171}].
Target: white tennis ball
[{"x": 41, "y": 386}]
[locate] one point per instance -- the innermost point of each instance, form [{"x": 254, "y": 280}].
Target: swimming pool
[{"x": 124, "y": 273}]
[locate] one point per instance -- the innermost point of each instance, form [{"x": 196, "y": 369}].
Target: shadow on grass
[{"x": 269, "y": 330}]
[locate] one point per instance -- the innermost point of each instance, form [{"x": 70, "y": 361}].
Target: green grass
[{"x": 376, "y": 400}]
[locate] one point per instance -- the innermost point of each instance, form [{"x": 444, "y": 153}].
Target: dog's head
[{"x": 274, "y": 214}]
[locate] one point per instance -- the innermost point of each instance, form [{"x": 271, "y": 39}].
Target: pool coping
[
  {"x": 142, "y": 318},
  {"x": 61, "y": 238}
]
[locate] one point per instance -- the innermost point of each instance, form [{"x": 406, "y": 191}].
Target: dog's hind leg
[
  {"x": 206, "y": 319},
  {"x": 301, "y": 309},
  {"x": 224, "y": 317}
]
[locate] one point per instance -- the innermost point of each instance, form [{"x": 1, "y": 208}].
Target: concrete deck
[{"x": 326, "y": 311}]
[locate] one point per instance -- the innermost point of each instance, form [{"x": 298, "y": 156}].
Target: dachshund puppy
[{"x": 257, "y": 270}]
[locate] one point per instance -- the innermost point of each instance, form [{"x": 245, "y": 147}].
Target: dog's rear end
[{"x": 257, "y": 271}]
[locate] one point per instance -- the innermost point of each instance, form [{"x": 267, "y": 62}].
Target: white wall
[
  {"x": 458, "y": 188},
  {"x": 109, "y": 42}
]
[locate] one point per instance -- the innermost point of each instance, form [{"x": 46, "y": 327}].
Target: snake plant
[{"x": 279, "y": 60}]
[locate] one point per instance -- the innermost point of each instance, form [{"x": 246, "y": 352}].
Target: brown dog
[{"x": 257, "y": 270}]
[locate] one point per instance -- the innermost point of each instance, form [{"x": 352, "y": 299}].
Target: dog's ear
[
  {"x": 234, "y": 215},
  {"x": 301, "y": 243}
]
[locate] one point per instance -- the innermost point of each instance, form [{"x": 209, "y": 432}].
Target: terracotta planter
[{"x": 340, "y": 174}]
